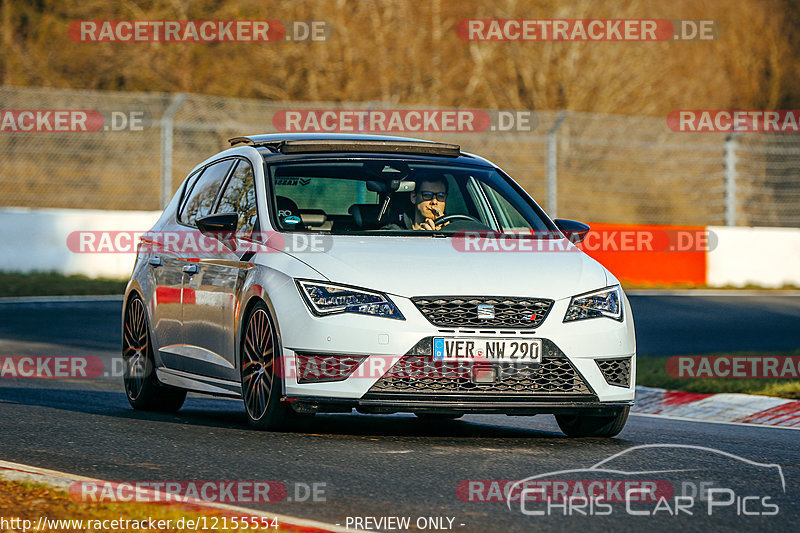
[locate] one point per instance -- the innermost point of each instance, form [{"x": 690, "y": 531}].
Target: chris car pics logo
[{"x": 677, "y": 480}]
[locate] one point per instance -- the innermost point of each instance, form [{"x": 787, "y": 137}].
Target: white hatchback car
[{"x": 323, "y": 273}]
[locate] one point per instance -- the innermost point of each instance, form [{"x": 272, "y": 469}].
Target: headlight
[
  {"x": 327, "y": 299},
  {"x": 605, "y": 302}
]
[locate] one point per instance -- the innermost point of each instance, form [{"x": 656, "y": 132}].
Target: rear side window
[
  {"x": 240, "y": 197},
  {"x": 201, "y": 198}
]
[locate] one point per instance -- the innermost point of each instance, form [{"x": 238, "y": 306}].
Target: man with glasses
[{"x": 429, "y": 198}]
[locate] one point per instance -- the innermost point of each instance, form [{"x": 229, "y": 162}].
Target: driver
[{"x": 429, "y": 198}]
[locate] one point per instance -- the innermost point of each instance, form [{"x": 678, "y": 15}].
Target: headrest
[{"x": 365, "y": 215}]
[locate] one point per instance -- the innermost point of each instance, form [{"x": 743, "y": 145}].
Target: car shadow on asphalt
[{"x": 224, "y": 413}]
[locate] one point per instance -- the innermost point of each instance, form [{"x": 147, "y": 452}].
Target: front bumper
[
  {"x": 571, "y": 353},
  {"x": 452, "y": 405}
]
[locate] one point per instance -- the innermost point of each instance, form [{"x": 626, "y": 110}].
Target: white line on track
[{"x": 740, "y": 424}]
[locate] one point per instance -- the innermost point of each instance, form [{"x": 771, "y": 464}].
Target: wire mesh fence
[{"x": 592, "y": 167}]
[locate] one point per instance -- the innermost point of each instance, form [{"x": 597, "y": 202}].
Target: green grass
[
  {"x": 55, "y": 284},
  {"x": 652, "y": 372}
]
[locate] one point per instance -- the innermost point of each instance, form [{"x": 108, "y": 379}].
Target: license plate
[{"x": 487, "y": 349}]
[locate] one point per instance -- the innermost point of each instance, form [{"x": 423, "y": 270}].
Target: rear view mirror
[
  {"x": 572, "y": 229},
  {"x": 405, "y": 186},
  {"x": 383, "y": 187}
]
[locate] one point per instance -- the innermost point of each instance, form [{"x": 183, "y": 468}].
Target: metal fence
[{"x": 592, "y": 167}]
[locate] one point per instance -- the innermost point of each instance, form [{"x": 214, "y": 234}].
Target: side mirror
[
  {"x": 221, "y": 226},
  {"x": 572, "y": 229}
]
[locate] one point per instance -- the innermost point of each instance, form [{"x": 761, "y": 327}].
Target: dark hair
[{"x": 430, "y": 177}]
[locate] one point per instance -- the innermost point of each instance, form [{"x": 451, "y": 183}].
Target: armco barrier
[
  {"x": 769, "y": 257},
  {"x": 36, "y": 239}
]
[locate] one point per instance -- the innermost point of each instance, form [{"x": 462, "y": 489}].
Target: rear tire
[
  {"x": 584, "y": 425},
  {"x": 142, "y": 388}
]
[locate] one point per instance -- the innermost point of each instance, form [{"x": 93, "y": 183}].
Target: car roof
[
  {"x": 318, "y": 144},
  {"x": 265, "y": 138}
]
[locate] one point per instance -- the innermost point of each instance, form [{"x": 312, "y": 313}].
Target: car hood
[{"x": 426, "y": 266}]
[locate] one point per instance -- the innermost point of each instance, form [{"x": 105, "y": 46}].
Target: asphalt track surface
[{"x": 381, "y": 466}]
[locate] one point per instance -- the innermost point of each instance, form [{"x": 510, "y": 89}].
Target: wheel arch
[
  {"x": 132, "y": 291},
  {"x": 253, "y": 296}
]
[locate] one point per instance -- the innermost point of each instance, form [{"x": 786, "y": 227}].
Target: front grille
[
  {"x": 457, "y": 311},
  {"x": 616, "y": 371},
  {"x": 420, "y": 376}
]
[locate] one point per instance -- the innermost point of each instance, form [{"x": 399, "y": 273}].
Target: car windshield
[{"x": 394, "y": 196}]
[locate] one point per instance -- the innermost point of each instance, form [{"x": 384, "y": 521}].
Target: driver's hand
[{"x": 428, "y": 225}]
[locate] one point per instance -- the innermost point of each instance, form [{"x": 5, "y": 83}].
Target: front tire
[
  {"x": 142, "y": 387},
  {"x": 583, "y": 425},
  {"x": 261, "y": 387}
]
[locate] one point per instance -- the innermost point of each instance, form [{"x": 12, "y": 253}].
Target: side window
[
  {"x": 240, "y": 197},
  {"x": 509, "y": 216},
  {"x": 201, "y": 198},
  {"x": 483, "y": 210},
  {"x": 190, "y": 181}
]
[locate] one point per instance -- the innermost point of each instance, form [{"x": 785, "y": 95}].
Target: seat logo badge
[{"x": 485, "y": 311}]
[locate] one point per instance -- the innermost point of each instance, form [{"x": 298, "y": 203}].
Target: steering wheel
[{"x": 448, "y": 218}]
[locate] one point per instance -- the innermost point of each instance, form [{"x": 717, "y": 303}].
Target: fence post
[
  {"x": 730, "y": 180},
  {"x": 552, "y": 163},
  {"x": 166, "y": 147}
]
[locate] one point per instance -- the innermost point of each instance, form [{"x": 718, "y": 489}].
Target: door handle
[
  {"x": 155, "y": 261},
  {"x": 190, "y": 269}
]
